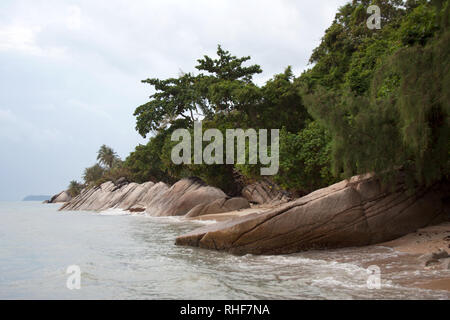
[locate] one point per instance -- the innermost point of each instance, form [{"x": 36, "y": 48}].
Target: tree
[
  {"x": 227, "y": 83},
  {"x": 348, "y": 35},
  {"x": 145, "y": 162},
  {"x": 305, "y": 159},
  {"x": 225, "y": 86},
  {"x": 228, "y": 67},
  {"x": 75, "y": 188},
  {"x": 174, "y": 97},
  {"x": 281, "y": 105},
  {"x": 107, "y": 156},
  {"x": 384, "y": 101},
  {"x": 93, "y": 174}
]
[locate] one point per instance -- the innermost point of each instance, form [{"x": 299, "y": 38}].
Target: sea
[{"x": 48, "y": 254}]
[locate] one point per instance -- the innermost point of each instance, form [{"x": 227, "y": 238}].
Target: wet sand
[
  {"x": 423, "y": 243},
  {"x": 232, "y": 214}
]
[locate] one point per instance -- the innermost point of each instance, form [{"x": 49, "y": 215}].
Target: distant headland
[{"x": 36, "y": 198}]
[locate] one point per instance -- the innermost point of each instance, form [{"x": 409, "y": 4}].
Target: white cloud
[
  {"x": 18, "y": 38},
  {"x": 70, "y": 71},
  {"x": 22, "y": 38}
]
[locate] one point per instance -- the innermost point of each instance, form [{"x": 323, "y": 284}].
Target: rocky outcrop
[
  {"x": 109, "y": 195},
  {"x": 264, "y": 192},
  {"x": 353, "y": 212},
  {"x": 156, "y": 199},
  {"x": 218, "y": 206},
  {"x": 61, "y": 197},
  {"x": 182, "y": 197}
]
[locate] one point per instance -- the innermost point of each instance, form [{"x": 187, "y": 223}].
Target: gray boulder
[
  {"x": 353, "y": 212},
  {"x": 157, "y": 199},
  {"x": 264, "y": 192},
  {"x": 108, "y": 195},
  {"x": 61, "y": 197},
  {"x": 182, "y": 197}
]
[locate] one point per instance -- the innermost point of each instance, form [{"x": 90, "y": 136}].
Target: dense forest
[{"x": 373, "y": 100}]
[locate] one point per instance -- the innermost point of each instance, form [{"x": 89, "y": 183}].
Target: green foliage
[
  {"x": 282, "y": 104},
  {"x": 75, "y": 188},
  {"x": 341, "y": 57},
  {"x": 363, "y": 64},
  {"x": 373, "y": 100},
  {"x": 112, "y": 169},
  {"x": 391, "y": 109},
  {"x": 224, "y": 87},
  {"x": 93, "y": 174},
  {"x": 174, "y": 97},
  {"x": 107, "y": 157},
  {"x": 219, "y": 175},
  {"x": 305, "y": 159},
  {"x": 419, "y": 25},
  {"x": 115, "y": 173},
  {"x": 228, "y": 67},
  {"x": 146, "y": 162}
]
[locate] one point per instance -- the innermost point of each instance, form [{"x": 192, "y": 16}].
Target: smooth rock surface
[
  {"x": 262, "y": 192},
  {"x": 353, "y": 212},
  {"x": 218, "y": 206},
  {"x": 156, "y": 199},
  {"x": 108, "y": 196},
  {"x": 182, "y": 197},
  {"x": 61, "y": 197}
]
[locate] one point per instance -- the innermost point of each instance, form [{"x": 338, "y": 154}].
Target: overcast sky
[{"x": 70, "y": 71}]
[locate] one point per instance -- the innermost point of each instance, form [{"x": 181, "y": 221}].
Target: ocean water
[{"x": 123, "y": 256}]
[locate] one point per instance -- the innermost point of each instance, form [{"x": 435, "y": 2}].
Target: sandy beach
[
  {"x": 431, "y": 246},
  {"x": 232, "y": 214}
]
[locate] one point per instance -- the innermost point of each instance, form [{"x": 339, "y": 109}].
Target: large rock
[
  {"x": 182, "y": 197},
  {"x": 109, "y": 195},
  {"x": 353, "y": 212},
  {"x": 264, "y": 192},
  {"x": 61, "y": 197},
  {"x": 218, "y": 206},
  {"x": 157, "y": 199}
]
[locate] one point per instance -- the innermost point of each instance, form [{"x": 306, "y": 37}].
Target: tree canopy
[
  {"x": 384, "y": 94},
  {"x": 107, "y": 156},
  {"x": 373, "y": 100},
  {"x": 188, "y": 96}
]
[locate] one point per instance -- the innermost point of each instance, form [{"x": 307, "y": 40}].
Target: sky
[{"x": 71, "y": 71}]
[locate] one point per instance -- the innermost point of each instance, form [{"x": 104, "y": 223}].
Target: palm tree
[{"x": 107, "y": 156}]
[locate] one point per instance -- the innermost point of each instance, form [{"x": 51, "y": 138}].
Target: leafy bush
[
  {"x": 75, "y": 188},
  {"x": 93, "y": 174}
]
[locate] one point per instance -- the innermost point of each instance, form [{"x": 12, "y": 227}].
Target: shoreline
[
  {"x": 353, "y": 213},
  {"x": 424, "y": 241},
  {"x": 419, "y": 245},
  {"x": 230, "y": 215},
  {"x": 423, "y": 244}
]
